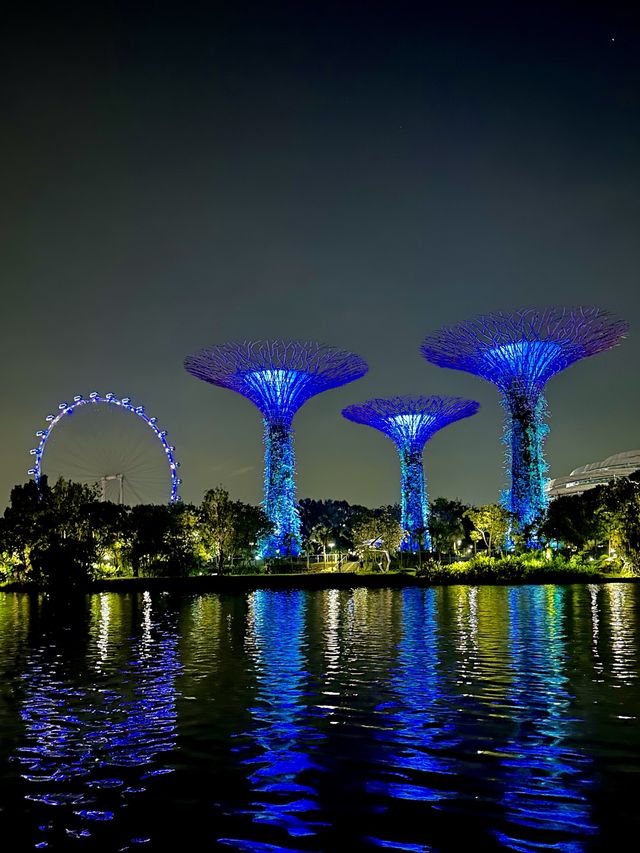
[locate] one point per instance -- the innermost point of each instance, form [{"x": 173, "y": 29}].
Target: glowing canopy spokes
[
  {"x": 527, "y": 347},
  {"x": 410, "y": 422},
  {"x": 278, "y": 377},
  {"x": 519, "y": 353}
]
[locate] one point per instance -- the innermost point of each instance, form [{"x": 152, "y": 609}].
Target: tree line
[{"x": 63, "y": 533}]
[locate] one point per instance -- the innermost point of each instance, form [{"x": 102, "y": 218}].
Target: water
[{"x": 440, "y": 719}]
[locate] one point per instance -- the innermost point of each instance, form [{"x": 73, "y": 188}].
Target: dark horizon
[{"x": 356, "y": 174}]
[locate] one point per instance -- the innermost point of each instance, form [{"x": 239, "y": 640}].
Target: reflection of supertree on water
[
  {"x": 422, "y": 733},
  {"x": 546, "y": 779},
  {"x": 410, "y": 422},
  {"x": 519, "y": 353},
  {"x": 280, "y": 740},
  {"x": 278, "y": 377}
]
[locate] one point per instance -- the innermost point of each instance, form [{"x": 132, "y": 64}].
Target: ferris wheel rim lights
[{"x": 125, "y": 403}]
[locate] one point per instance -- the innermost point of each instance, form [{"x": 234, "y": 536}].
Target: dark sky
[{"x": 180, "y": 174}]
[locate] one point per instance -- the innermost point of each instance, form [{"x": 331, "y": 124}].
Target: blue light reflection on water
[
  {"x": 420, "y": 734},
  {"x": 85, "y": 741},
  {"x": 418, "y": 719},
  {"x": 546, "y": 797},
  {"x": 280, "y": 740}
]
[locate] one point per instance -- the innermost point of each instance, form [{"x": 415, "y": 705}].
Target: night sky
[{"x": 176, "y": 175}]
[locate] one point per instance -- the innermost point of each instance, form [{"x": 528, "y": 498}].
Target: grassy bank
[
  {"x": 331, "y": 580},
  {"x": 531, "y": 567}
]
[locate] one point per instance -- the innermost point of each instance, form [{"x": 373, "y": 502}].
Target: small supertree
[
  {"x": 410, "y": 422},
  {"x": 278, "y": 377},
  {"x": 519, "y": 353}
]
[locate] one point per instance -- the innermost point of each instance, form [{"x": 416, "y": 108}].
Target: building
[{"x": 595, "y": 474}]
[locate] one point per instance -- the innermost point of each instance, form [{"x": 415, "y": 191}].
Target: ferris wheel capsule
[
  {"x": 93, "y": 395},
  {"x": 77, "y": 398}
]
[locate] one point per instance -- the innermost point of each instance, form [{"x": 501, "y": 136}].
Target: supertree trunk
[
  {"x": 524, "y": 435},
  {"x": 279, "y": 491},
  {"x": 413, "y": 501}
]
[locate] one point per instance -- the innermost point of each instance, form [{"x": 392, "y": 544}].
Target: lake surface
[{"x": 448, "y": 718}]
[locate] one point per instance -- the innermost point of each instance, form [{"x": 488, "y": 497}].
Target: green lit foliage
[
  {"x": 325, "y": 521},
  {"x": 576, "y": 520},
  {"x": 163, "y": 539},
  {"x": 492, "y": 523},
  {"x": 602, "y": 523},
  {"x": 231, "y": 529},
  {"x": 47, "y": 534},
  {"x": 538, "y": 566},
  {"x": 110, "y": 529},
  {"x": 216, "y": 524},
  {"x": 449, "y": 526},
  {"x": 379, "y": 532},
  {"x": 620, "y": 514}
]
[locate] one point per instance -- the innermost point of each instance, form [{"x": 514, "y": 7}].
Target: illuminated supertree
[
  {"x": 410, "y": 422},
  {"x": 278, "y": 377},
  {"x": 519, "y": 353}
]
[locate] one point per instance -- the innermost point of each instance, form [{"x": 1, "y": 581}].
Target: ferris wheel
[{"x": 110, "y": 442}]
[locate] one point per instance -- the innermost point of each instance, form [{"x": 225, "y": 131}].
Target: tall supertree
[
  {"x": 278, "y": 377},
  {"x": 410, "y": 422},
  {"x": 519, "y": 353}
]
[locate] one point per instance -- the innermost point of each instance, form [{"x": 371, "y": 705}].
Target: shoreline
[{"x": 319, "y": 581}]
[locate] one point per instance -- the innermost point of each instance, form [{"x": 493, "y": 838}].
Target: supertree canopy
[
  {"x": 278, "y": 377},
  {"x": 410, "y": 422},
  {"x": 519, "y": 353}
]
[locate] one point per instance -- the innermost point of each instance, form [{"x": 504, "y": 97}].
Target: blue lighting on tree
[
  {"x": 410, "y": 422},
  {"x": 278, "y": 377},
  {"x": 519, "y": 353}
]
